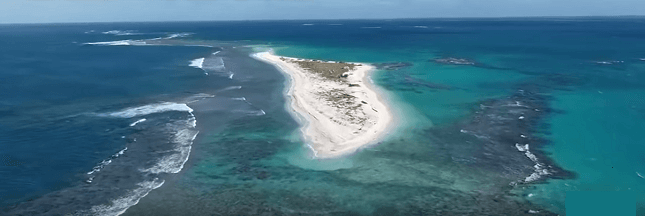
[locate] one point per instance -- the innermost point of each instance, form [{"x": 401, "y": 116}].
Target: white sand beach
[{"x": 337, "y": 117}]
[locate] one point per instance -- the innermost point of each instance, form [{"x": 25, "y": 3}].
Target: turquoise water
[
  {"x": 593, "y": 138},
  {"x": 571, "y": 90}
]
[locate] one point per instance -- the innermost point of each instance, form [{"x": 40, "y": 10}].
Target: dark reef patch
[
  {"x": 408, "y": 80},
  {"x": 393, "y": 66},
  {"x": 496, "y": 135},
  {"x": 454, "y": 61},
  {"x": 466, "y": 62}
]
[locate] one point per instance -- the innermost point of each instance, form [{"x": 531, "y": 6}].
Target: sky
[{"x": 48, "y": 11}]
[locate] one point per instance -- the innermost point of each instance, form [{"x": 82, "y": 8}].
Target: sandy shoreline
[{"x": 338, "y": 116}]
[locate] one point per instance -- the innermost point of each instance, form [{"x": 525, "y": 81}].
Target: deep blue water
[{"x": 67, "y": 105}]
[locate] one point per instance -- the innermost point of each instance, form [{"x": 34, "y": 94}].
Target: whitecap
[
  {"x": 149, "y": 109},
  {"x": 240, "y": 99},
  {"x": 137, "y": 122},
  {"x": 538, "y": 167},
  {"x": 176, "y": 35},
  {"x": 215, "y": 53},
  {"x": 639, "y": 175},
  {"x": 375, "y": 27},
  {"x": 307, "y": 24},
  {"x": 421, "y": 27},
  {"x": 197, "y": 63},
  {"x": 231, "y": 75}
]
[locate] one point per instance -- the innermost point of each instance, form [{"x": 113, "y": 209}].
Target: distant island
[{"x": 336, "y": 104}]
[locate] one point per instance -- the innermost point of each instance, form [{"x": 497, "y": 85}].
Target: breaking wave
[
  {"x": 120, "y": 205},
  {"x": 539, "y": 168},
  {"x": 137, "y": 122},
  {"x": 197, "y": 63},
  {"x": 149, "y": 109},
  {"x": 121, "y": 32},
  {"x": 119, "y": 43}
]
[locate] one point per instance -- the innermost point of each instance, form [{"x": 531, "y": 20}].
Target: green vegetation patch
[{"x": 334, "y": 71}]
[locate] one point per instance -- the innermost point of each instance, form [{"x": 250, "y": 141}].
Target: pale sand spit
[{"x": 339, "y": 115}]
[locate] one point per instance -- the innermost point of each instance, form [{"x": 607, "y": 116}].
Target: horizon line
[{"x": 331, "y": 19}]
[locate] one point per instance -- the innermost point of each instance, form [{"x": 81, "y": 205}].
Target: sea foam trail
[
  {"x": 104, "y": 163},
  {"x": 120, "y": 205},
  {"x": 149, "y": 109},
  {"x": 183, "y": 140},
  {"x": 231, "y": 88},
  {"x": 174, "y": 163}
]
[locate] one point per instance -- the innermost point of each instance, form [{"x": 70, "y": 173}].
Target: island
[{"x": 338, "y": 107}]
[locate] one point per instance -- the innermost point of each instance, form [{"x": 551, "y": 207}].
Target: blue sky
[{"x": 37, "y": 11}]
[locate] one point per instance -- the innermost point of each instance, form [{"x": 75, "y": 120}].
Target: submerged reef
[
  {"x": 454, "y": 61},
  {"x": 501, "y": 135},
  {"x": 393, "y": 66},
  {"x": 408, "y": 80}
]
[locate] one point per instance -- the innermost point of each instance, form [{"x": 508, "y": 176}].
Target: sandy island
[{"x": 339, "y": 109}]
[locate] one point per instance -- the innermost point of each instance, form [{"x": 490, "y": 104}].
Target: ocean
[{"x": 494, "y": 117}]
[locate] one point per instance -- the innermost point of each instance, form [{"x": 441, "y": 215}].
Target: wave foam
[
  {"x": 183, "y": 140},
  {"x": 149, "y": 109},
  {"x": 118, "y": 43},
  {"x": 539, "y": 169},
  {"x": 177, "y": 35},
  {"x": 120, "y": 205},
  {"x": 216, "y": 64},
  {"x": 121, "y": 33},
  {"x": 137, "y": 122},
  {"x": 197, "y": 63},
  {"x": 104, "y": 163}
]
